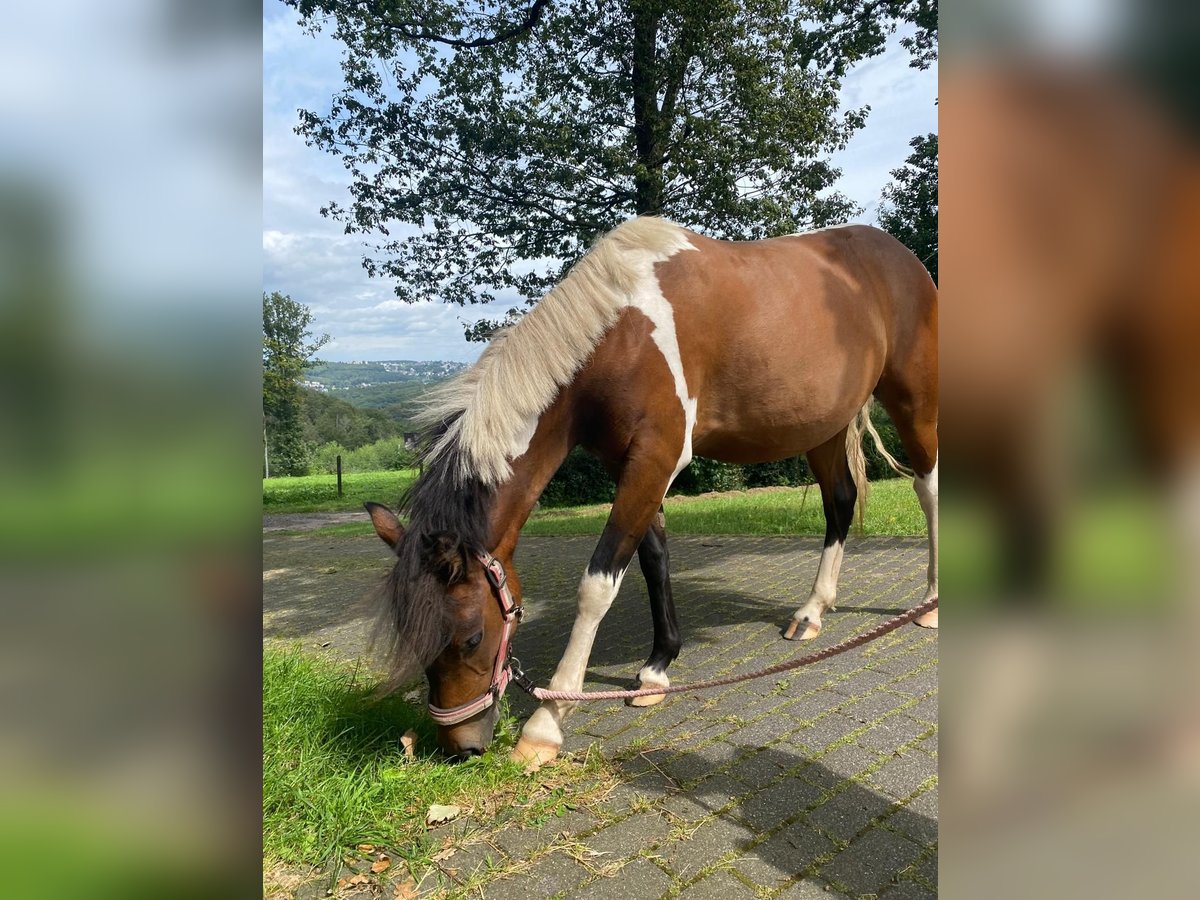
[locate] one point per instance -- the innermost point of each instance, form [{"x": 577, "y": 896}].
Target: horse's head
[{"x": 457, "y": 619}]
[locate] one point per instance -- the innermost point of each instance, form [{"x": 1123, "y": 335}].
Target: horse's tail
[{"x": 857, "y": 458}]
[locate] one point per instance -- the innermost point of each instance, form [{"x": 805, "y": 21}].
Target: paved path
[{"x": 821, "y": 783}]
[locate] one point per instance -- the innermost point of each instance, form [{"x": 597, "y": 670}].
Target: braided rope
[{"x": 849, "y": 644}]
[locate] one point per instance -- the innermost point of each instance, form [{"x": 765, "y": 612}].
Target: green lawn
[
  {"x": 335, "y": 775},
  {"x": 892, "y": 510},
  {"x": 318, "y": 493}
]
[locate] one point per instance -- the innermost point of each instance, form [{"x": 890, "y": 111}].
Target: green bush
[
  {"x": 580, "y": 479},
  {"x": 703, "y": 475},
  {"x": 387, "y": 455},
  {"x": 793, "y": 472}
]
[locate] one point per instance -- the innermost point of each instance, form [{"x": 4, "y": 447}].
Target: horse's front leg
[
  {"x": 639, "y": 494},
  {"x": 655, "y": 563}
]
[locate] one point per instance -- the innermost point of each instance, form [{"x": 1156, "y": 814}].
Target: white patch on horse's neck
[{"x": 649, "y": 299}]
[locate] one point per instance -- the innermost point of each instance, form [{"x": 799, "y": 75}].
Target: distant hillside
[
  {"x": 340, "y": 376},
  {"x": 393, "y": 387},
  {"x": 328, "y": 418}
]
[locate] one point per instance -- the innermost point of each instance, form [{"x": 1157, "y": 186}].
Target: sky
[{"x": 309, "y": 258}]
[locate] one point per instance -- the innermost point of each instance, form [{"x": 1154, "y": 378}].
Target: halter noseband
[{"x": 502, "y": 669}]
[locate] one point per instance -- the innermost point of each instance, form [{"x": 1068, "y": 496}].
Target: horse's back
[{"x": 783, "y": 340}]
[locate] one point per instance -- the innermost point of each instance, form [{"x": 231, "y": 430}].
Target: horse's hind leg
[
  {"x": 914, "y": 413},
  {"x": 838, "y": 495},
  {"x": 654, "y": 560}
]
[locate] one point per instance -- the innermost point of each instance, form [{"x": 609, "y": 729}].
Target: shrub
[
  {"x": 325, "y": 457},
  {"x": 580, "y": 479},
  {"x": 793, "y": 472},
  {"x": 703, "y": 475}
]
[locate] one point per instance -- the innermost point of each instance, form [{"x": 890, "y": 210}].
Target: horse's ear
[
  {"x": 446, "y": 555},
  {"x": 387, "y": 526}
]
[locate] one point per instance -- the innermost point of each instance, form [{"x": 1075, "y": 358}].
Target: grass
[
  {"x": 335, "y": 775},
  {"x": 318, "y": 493},
  {"x": 892, "y": 510}
]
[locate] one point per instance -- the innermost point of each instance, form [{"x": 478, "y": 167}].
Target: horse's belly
[
  {"x": 749, "y": 419},
  {"x": 763, "y": 442}
]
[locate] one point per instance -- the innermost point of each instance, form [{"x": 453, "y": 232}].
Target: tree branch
[{"x": 417, "y": 31}]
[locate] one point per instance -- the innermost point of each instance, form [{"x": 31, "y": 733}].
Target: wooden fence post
[{"x": 339, "y": 473}]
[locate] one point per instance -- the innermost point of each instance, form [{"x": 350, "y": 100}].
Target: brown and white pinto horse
[{"x": 659, "y": 344}]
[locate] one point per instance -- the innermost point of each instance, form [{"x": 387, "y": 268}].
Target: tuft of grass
[
  {"x": 335, "y": 775},
  {"x": 318, "y": 493}
]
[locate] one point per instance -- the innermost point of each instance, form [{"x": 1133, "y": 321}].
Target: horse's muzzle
[{"x": 469, "y": 738}]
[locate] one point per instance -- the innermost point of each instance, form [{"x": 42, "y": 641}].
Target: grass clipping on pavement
[{"x": 335, "y": 772}]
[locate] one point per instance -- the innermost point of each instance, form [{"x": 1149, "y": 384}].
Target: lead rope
[{"x": 849, "y": 644}]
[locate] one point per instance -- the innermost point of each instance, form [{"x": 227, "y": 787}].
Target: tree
[
  {"x": 490, "y": 142},
  {"x": 909, "y": 211},
  {"x": 288, "y": 349}
]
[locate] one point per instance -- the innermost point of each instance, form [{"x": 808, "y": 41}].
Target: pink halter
[{"x": 502, "y": 670}]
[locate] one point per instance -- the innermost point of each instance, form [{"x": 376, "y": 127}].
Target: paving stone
[
  {"x": 629, "y": 836},
  {"x": 916, "y": 684},
  {"x": 925, "y": 711},
  {"x": 907, "y": 890},
  {"x": 717, "y": 790},
  {"x": 696, "y": 764},
  {"x": 782, "y": 855},
  {"x": 720, "y": 885},
  {"x": 760, "y": 732},
  {"x": 860, "y": 681},
  {"x": 869, "y": 864},
  {"x": 846, "y": 814},
  {"x": 848, "y": 760},
  {"x": 769, "y": 808},
  {"x": 550, "y": 875},
  {"x": 874, "y": 706},
  {"x": 919, "y": 818},
  {"x": 756, "y": 769},
  {"x": 900, "y": 775},
  {"x": 829, "y": 730},
  {"x": 891, "y": 733},
  {"x": 927, "y": 869},
  {"x": 685, "y": 856},
  {"x": 688, "y": 807},
  {"x": 472, "y": 859},
  {"x": 639, "y": 879},
  {"x": 811, "y": 889}
]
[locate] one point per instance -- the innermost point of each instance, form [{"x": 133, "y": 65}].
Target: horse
[{"x": 658, "y": 344}]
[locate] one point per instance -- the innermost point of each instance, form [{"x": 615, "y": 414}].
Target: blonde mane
[{"x": 489, "y": 413}]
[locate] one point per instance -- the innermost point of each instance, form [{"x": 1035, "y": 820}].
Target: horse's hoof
[
  {"x": 928, "y": 620},
  {"x": 811, "y": 630},
  {"x": 649, "y": 699},
  {"x": 533, "y": 754}
]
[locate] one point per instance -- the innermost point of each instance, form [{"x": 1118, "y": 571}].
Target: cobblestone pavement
[{"x": 820, "y": 783}]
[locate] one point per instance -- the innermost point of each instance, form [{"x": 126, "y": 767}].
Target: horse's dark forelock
[{"x": 414, "y": 625}]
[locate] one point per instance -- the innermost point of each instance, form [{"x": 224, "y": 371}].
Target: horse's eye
[{"x": 473, "y": 642}]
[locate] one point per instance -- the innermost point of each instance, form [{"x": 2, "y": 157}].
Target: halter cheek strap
[{"x": 502, "y": 668}]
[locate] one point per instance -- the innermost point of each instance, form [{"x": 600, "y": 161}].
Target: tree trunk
[{"x": 649, "y": 187}]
